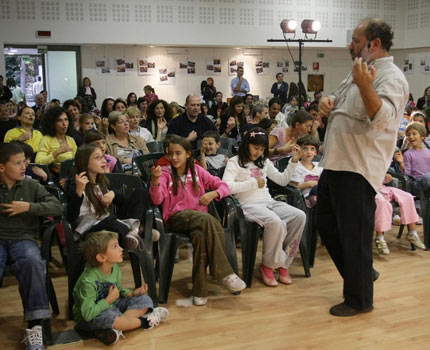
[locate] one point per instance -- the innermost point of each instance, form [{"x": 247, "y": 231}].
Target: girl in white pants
[{"x": 283, "y": 224}]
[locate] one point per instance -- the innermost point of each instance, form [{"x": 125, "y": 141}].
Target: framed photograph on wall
[{"x": 315, "y": 82}]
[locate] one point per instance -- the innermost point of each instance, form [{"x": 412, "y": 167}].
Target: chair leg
[
  {"x": 426, "y": 223},
  {"x": 76, "y": 270},
  {"x": 52, "y": 296},
  {"x": 135, "y": 267},
  {"x": 146, "y": 265},
  {"x": 399, "y": 235},
  {"x": 167, "y": 262},
  {"x": 249, "y": 243},
  {"x": 47, "y": 332},
  {"x": 305, "y": 258},
  {"x": 313, "y": 238}
]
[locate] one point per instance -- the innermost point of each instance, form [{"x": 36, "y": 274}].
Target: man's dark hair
[
  {"x": 8, "y": 150},
  {"x": 212, "y": 133},
  {"x": 274, "y": 100},
  {"x": 27, "y": 149},
  {"x": 377, "y": 28}
]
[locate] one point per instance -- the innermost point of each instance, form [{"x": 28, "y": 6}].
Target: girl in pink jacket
[{"x": 180, "y": 189}]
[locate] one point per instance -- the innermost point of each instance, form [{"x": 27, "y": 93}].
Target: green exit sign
[{"x": 320, "y": 55}]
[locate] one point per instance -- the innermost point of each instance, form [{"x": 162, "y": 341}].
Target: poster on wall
[
  {"x": 129, "y": 64},
  {"x": 408, "y": 65},
  {"x": 233, "y": 64},
  {"x": 315, "y": 66},
  {"x": 283, "y": 66},
  {"x": 315, "y": 82},
  {"x": 296, "y": 67},
  {"x": 213, "y": 66},
  {"x": 103, "y": 65},
  {"x": 167, "y": 76},
  {"x": 183, "y": 66},
  {"x": 120, "y": 66},
  {"x": 146, "y": 66},
  {"x": 262, "y": 67},
  {"x": 191, "y": 68},
  {"x": 425, "y": 65}
]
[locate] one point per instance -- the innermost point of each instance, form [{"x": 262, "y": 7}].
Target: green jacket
[
  {"x": 91, "y": 290},
  {"x": 26, "y": 225}
]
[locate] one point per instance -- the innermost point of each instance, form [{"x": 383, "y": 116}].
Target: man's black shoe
[{"x": 343, "y": 309}]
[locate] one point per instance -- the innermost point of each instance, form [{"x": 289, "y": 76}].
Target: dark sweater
[{"x": 26, "y": 225}]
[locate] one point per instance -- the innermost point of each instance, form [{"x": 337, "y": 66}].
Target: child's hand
[
  {"x": 62, "y": 183},
  {"x": 108, "y": 198},
  {"x": 156, "y": 172},
  {"x": 208, "y": 197},
  {"x": 231, "y": 123},
  {"x": 297, "y": 153},
  {"x": 39, "y": 172},
  {"x": 399, "y": 157},
  {"x": 81, "y": 182},
  {"x": 388, "y": 178},
  {"x": 113, "y": 294},
  {"x": 260, "y": 182},
  {"x": 225, "y": 159},
  {"x": 15, "y": 208},
  {"x": 140, "y": 291},
  {"x": 161, "y": 123},
  {"x": 311, "y": 183}
]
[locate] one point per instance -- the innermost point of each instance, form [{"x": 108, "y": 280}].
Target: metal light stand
[{"x": 301, "y": 43}]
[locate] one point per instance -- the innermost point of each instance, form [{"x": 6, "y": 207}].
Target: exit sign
[{"x": 320, "y": 55}]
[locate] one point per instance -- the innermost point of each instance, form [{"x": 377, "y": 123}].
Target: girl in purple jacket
[{"x": 180, "y": 189}]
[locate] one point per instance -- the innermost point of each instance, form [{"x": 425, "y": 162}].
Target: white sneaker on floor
[
  {"x": 200, "y": 301},
  {"x": 420, "y": 220},
  {"x": 397, "y": 220},
  {"x": 382, "y": 246},
  {"x": 33, "y": 338},
  {"x": 158, "y": 315},
  {"x": 233, "y": 283},
  {"x": 415, "y": 240}
]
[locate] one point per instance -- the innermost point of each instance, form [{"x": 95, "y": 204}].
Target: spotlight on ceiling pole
[
  {"x": 310, "y": 26},
  {"x": 288, "y": 25}
]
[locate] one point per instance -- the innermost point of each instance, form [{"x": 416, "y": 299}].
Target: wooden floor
[{"x": 285, "y": 317}]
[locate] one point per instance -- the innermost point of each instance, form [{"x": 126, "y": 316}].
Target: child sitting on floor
[{"x": 102, "y": 305}]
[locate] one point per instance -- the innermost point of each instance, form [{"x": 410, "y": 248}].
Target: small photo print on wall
[
  {"x": 213, "y": 66},
  {"x": 120, "y": 65},
  {"x": 103, "y": 65},
  {"x": 262, "y": 67},
  {"x": 425, "y": 65},
  {"x": 167, "y": 76},
  {"x": 191, "y": 69},
  {"x": 408, "y": 65},
  {"x": 233, "y": 64},
  {"x": 146, "y": 66}
]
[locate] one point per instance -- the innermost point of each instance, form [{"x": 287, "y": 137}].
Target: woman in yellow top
[
  {"x": 56, "y": 146},
  {"x": 25, "y": 131}
]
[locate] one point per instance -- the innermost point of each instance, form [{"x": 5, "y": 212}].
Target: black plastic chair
[
  {"x": 170, "y": 242},
  {"x": 141, "y": 258},
  {"x": 45, "y": 168},
  {"x": 67, "y": 169},
  {"x": 155, "y": 147},
  {"x": 144, "y": 164}
]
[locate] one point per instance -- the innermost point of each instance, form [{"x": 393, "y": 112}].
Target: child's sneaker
[
  {"x": 158, "y": 315},
  {"x": 200, "y": 301},
  {"x": 108, "y": 336},
  {"x": 420, "y": 220},
  {"x": 131, "y": 240},
  {"x": 382, "y": 246},
  {"x": 397, "y": 220},
  {"x": 233, "y": 283},
  {"x": 33, "y": 338},
  {"x": 415, "y": 240}
]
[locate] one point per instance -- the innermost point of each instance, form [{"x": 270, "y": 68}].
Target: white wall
[
  {"x": 335, "y": 65},
  {"x": 189, "y": 22}
]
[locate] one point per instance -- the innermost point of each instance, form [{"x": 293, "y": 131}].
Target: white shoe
[
  {"x": 382, "y": 247},
  {"x": 420, "y": 220},
  {"x": 158, "y": 315},
  {"x": 200, "y": 301},
  {"x": 155, "y": 235},
  {"x": 33, "y": 338},
  {"x": 131, "y": 240},
  {"x": 415, "y": 240},
  {"x": 397, "y": 220},
  {"x": 233, "y": 283}
]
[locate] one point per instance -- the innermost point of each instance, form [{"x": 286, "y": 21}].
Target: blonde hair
[
  {"x": 96, "y": 243},
  {"x": 133, "y": 110},
  {"x": 417, "y": 127}
]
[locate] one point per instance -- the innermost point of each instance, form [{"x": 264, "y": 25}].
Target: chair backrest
[
  {"x": 67, "y": 169},
  {"x": 45, "y": 168},
  {"x": 282, "y": 163},
  {"x": 155, "y": 147},
  {"x": 123, "y": 183},
  {"x": 145, "y": 162}
]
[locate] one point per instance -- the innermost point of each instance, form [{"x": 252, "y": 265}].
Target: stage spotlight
[
  {"x": 310, "y": 26},
  {"x": 288, "y": 25}
]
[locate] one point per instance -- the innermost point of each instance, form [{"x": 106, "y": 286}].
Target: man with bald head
[
  {"x": 364, "y": 115},
  {"x": 191, "y": 124}
]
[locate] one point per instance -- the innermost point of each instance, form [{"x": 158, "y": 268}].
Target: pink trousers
[{"x": 384, "y": 210}]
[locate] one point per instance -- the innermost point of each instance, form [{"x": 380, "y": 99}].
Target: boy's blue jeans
[{"x": 30, "y": 270}]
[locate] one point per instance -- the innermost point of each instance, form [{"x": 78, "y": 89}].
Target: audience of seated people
[{"x": 109, "y": 139}]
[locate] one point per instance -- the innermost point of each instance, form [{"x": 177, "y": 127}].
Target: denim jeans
[{"x": 30, "y": 270}]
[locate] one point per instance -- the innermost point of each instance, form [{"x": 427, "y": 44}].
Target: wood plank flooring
[{"x": 285, "y": 317}]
